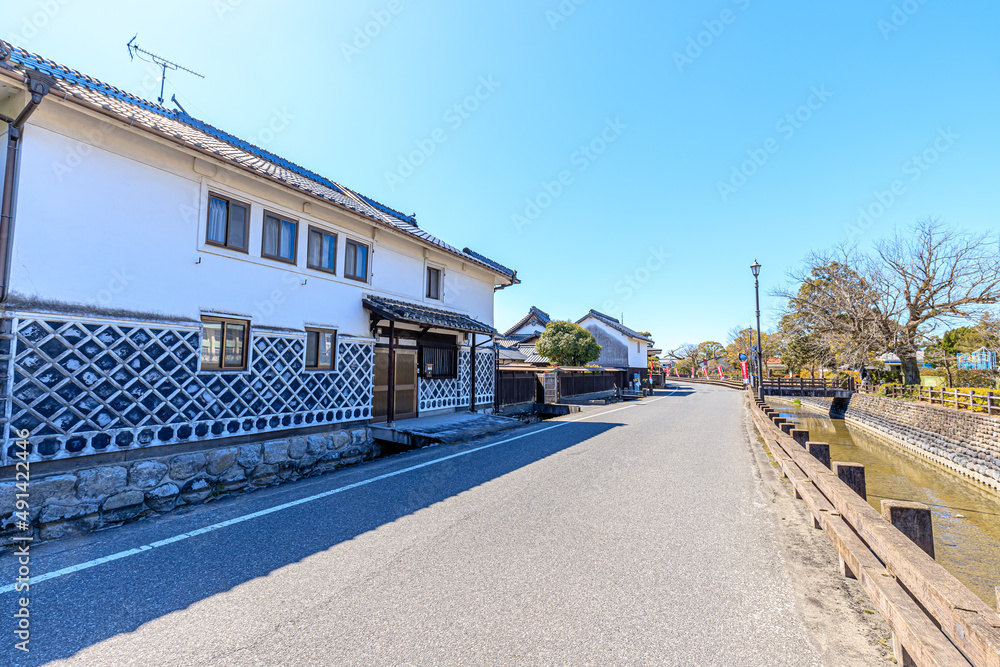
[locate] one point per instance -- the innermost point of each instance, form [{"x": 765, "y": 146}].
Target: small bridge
[{"x": 835, "y": 388}]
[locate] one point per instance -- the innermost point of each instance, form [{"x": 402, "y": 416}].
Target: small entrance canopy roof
[{"x": 403, "y": 312}]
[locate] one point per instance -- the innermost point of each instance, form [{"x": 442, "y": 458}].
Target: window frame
[
  {"x": 336, "y": 249},
  {"x": 368, "y": 262},
  {"x": 222, "y": 367},
  {"x": 295, "y": 237},
  {"x": 453, "y": 349},
  {"x": 305, "y": 351},
  {"x": 246, "y": 223},
  {"x": 427, "y": 281}
]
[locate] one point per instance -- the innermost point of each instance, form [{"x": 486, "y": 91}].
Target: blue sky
[{"x": 633, "y": 156}]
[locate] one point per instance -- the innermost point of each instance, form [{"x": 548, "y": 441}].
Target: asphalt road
[{"x": 637, "y": 533}]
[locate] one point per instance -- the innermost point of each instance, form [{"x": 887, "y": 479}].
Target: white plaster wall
[
  {"x": 640, "y": 358},
  {"x": 636, "y": 358},
  {"x": 530, "y": 328},
  {"x": 98, "y": 226}
]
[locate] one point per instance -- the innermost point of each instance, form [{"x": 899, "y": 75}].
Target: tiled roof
[
  {"x": 202, "y": 137},
  {"x": 614, "y": 324},
  {"x": 496, "y": 265},
  {"x": 509, "y": 354},
  {"x": 413, "y": 313},
  {"x": 541, "y": 315}
]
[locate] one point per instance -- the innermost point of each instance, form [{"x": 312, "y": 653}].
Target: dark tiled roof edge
[
  {"x": 533, "y": 311},
  {"x": 446, "y": 319},
  {"x": 614, "y": 324},
  {"x": 24, "y": 59}
]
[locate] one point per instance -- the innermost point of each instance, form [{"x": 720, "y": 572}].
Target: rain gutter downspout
[{"x": 38, "y": 85}]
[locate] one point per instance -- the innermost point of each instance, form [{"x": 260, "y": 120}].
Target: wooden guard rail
[
  {"x": 934, "y": 618},
  {"x": 987, "y": 403}
]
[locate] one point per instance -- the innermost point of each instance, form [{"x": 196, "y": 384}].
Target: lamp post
[{"x": 755, "y": 267}]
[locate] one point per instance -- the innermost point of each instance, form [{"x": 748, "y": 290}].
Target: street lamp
[{"x": 755, "y": 267}]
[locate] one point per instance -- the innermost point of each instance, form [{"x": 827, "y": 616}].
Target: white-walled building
[
  {"x": 621, "y": 347},
  {"x": 530, "y": 326},
  {"x": 168, "y": 282}
]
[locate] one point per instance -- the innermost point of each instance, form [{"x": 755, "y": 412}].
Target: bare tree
[
  {"x": 686, "y": 352},
  {"x": 894, "y": 297},
  {"x": 933, "y": 274}
]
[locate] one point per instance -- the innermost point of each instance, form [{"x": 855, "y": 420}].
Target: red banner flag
[
  {"x": 746, "y": 374},
  {"x": 721, "y": 376}
]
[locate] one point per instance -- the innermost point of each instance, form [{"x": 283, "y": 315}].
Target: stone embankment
[
  {"x": 967, "y": 443},
  {"x": 95, "y": 496}
]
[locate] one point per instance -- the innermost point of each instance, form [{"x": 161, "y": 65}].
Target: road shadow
[{"x": 72, "y": 612}]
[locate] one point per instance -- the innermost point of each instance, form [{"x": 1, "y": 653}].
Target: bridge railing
[
  {"x": 935, "y": 619},
  {"x": 844, "y": 384}
]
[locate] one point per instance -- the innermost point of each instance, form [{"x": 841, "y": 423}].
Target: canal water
[{"x": 966, "y": 518}]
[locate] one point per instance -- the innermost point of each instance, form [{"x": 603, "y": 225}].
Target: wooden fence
[
  {"x": 515, "y": 388},
  {"x": 934, "y": 618},
  {"x": 986, "y": 402},
  {"x": 578, "y": 384}
]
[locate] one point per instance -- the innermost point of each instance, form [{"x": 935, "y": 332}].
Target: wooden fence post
[
  {"x": 800, "y": 435},
  {"x": 913, "y": 520},
  {"x": 821, "y": 451},
  {"x": 853, "y": 475},
  {"x": 989, "y": 402}
]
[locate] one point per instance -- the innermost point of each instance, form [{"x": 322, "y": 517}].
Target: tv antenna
[{"x": 159, "y": 61}]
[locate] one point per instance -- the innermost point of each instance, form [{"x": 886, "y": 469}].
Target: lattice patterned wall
[
  {"x": 84, "y": 387},
  {"x": 436, "y": 394}
]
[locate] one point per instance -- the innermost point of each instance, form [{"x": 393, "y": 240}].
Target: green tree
[
  {"x": 567, "y": 344},
  {"x": 962, "y": 339}
]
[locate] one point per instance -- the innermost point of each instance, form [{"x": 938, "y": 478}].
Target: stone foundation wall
[
  {"x": 965, "y": 442},
  {"x": 93, "y": 497}
]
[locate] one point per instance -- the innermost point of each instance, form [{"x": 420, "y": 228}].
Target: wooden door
[{"x": 406, "y": 384}]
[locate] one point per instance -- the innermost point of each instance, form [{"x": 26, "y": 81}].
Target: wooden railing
[
  {"x": 935, "y": 619},
  {"x": 988, "y": 402},
  {"x": 846, "y": 384}
]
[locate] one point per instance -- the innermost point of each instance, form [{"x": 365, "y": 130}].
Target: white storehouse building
[
  {"x": 166, "y": 282},
  {"x": 621, "y": 347}
]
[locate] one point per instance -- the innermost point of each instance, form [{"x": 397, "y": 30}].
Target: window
[
  {"x": 438, "y": 362},
  {"x": 356, "y": 261},
  {"x": 433, "y": 283},
  {"x": 223, "y": 344},
  {"x": 322, "y": 250},
  {"x": 321, "y": 346},
  {"x": 279, "y": 239},
  {"x": 227, "y": 223}
]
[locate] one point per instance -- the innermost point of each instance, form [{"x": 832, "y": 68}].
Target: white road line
[{"x": 301, "y": 501}]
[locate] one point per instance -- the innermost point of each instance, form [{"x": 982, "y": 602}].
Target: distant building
[
  {"x": 621, "y": 347},
  {"x": 982, "y": 359},
  {"x": 530, "y": 326}
]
